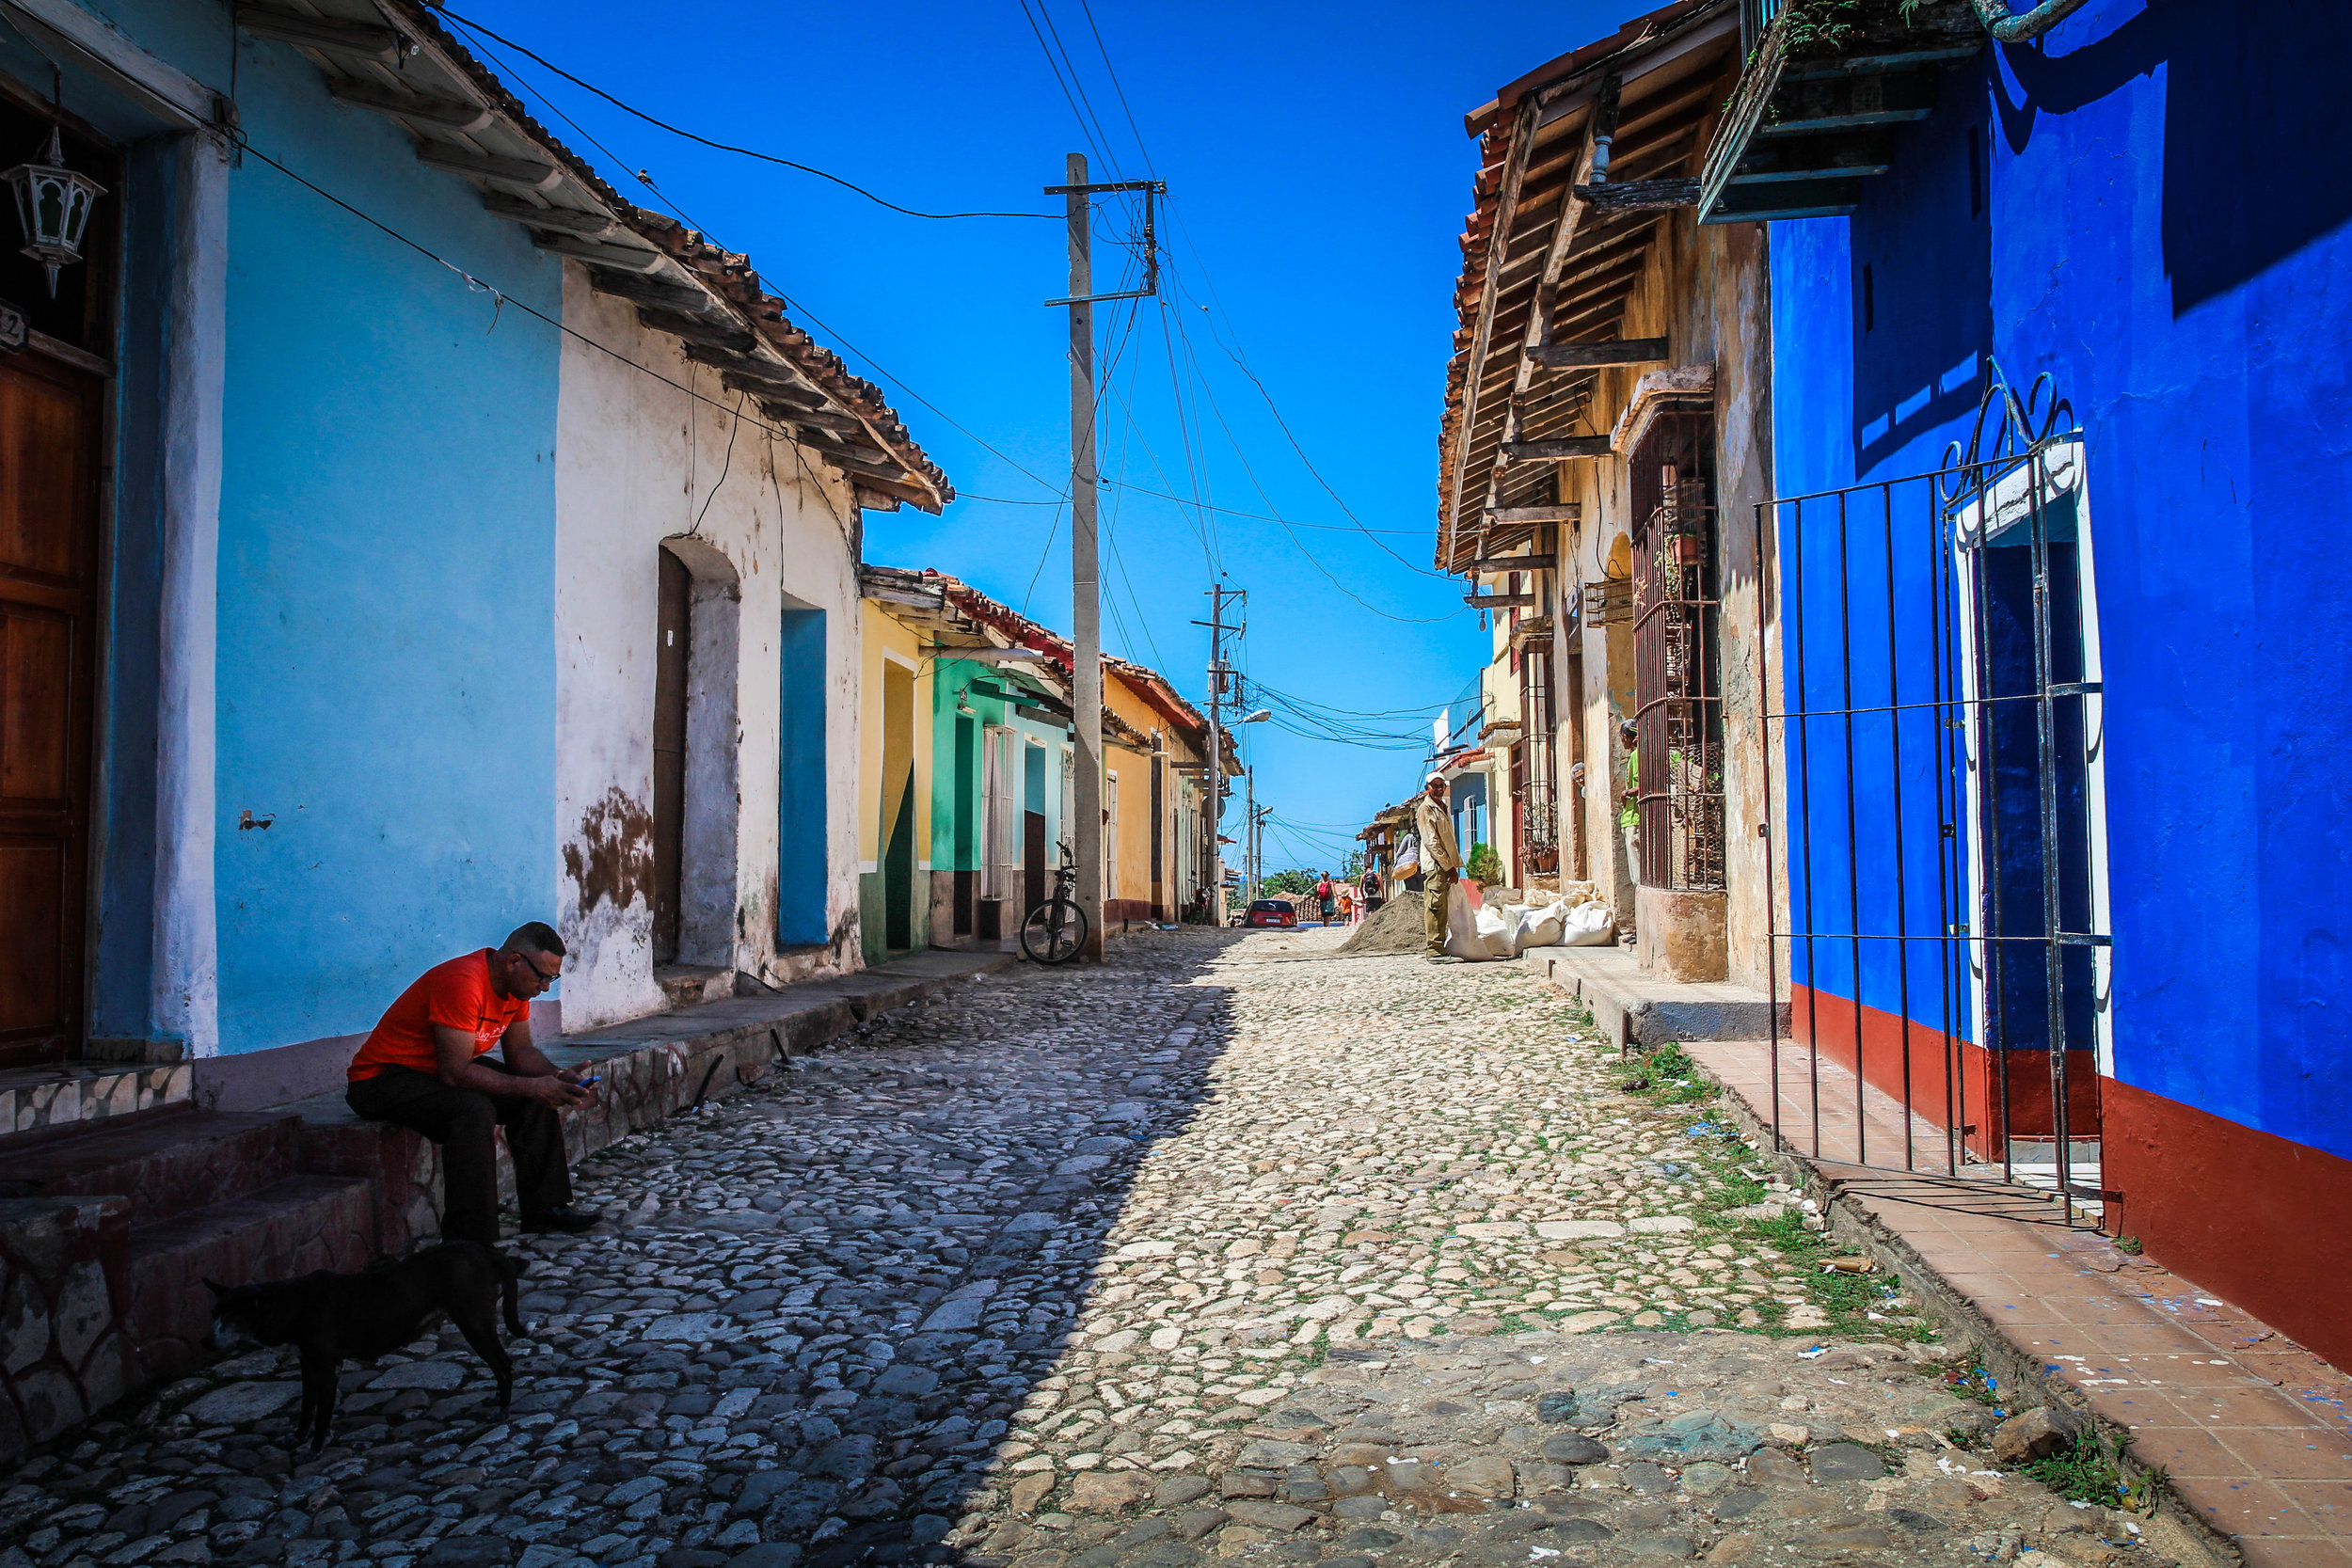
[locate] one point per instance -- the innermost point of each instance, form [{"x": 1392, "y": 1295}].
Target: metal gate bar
[{"x": 1965, "y": 697}]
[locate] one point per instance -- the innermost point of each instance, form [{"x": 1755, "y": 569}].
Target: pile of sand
[{"x": 1395, "y": 927}]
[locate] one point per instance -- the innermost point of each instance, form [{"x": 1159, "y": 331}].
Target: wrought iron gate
[{"x": 1937, "y": 861}]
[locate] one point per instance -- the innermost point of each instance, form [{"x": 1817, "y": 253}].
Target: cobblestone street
[{"x": 1235, "y": 1250}]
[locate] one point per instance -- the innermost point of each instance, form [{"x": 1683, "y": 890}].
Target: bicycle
[{"x": 1055, "y": 930}]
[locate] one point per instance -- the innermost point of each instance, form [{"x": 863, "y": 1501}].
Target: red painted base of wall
[
  {"x": 1968, "y": 1073},
  {"x": 2255, "y": 1219},
  {"x": 1137, "y": 909}
]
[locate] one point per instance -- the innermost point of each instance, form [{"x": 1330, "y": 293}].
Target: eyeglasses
[{"x": 539, "y": 977}]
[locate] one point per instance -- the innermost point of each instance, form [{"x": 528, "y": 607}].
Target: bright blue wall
[
  {"x": 387, "y": 659},
  {"x": 2166, "y": 236}
]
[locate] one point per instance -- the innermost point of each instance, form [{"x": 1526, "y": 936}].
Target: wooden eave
[
  {"x": 393, "y": 57},
  {"x": 1543, "y": 263}
]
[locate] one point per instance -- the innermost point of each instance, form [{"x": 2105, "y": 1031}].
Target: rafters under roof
[{"x": 1542, "y": 265}]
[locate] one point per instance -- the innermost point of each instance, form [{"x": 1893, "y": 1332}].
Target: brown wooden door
[
  {"x": 672, "y": 628},
  {"x": 49, "y": 465},
  {"x": 1032, "y": 862}
]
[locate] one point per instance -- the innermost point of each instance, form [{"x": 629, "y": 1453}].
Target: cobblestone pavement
[{"x": 1231, "y": 1250}]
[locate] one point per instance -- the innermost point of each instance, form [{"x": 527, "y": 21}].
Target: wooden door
[
  {"x": 673, "y": 626},
  {"x": 49, "y": 467},
  {"x": 1032, "y": 861}
]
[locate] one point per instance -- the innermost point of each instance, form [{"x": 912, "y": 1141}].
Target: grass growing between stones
[
  {"x": 2082, "y": 1472},
  {"x": 1726, "y": 1200}
]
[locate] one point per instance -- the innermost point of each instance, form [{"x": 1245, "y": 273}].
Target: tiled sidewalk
[{"x": 2254, "y": 1432}]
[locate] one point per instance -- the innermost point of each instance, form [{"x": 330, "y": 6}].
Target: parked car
[{"x": 1271, "y": 911}]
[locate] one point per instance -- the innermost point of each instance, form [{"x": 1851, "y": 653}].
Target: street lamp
[
  {"x": 54, "y": 204},
  {"x": 1258, "y": 718}
]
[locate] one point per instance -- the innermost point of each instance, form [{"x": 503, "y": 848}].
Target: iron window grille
[{"x": 1677, "y": 687}]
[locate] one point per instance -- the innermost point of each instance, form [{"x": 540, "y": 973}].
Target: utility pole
[
  {"x": 1086, "y": 606},
  {"x": 1218, "y": 597},
  {"x": 1253, "y": 846},
  {"x": 1086, "y": 609}
]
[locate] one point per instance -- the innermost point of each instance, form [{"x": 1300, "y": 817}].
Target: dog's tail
[{"x": 509, "y": 1272}]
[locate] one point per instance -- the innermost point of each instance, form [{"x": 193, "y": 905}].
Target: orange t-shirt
[{"x": 454, "y": 995}]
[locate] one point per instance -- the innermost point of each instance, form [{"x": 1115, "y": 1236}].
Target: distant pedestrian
[
  {"x": 1347, "y": 908},
  {"x": 1323, "y": 898},
  {"x": 1441, "y": 862}
]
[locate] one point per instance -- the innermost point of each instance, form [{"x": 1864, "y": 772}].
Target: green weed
[{"x": 2082, "y": 1472}]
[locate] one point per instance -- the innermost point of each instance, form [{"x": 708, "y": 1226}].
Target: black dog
[{"x": 340, "y": 1317}]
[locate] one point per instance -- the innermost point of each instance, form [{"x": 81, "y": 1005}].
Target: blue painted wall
[
  {"x": 802, "y": 852},
  {"x": 387, "y": 660},
  {"x": 2162, "y": 229}
]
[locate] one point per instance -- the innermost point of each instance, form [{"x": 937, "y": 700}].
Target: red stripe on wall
[
  {"x": 2249, "y": 1215},
  {"x": 1829, "y": 1023}
]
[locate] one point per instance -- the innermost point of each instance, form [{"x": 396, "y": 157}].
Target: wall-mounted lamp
[{"x": 54, "y": 204}]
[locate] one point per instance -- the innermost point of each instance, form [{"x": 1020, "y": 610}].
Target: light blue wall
[
  {"x": 2166, "y": 234},
  {"x": 387, "y": 660}
]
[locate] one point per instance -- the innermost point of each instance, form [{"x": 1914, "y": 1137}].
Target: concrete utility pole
[
  {"x": 1252, "y": 848},
  {"x": 1086, "y": 606},
  {"x": 1086, "y": 609},
  {"x": 1219, "y": 595}
]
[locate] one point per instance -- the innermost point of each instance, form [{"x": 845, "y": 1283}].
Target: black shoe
[{"x": 566, "y": 1221}]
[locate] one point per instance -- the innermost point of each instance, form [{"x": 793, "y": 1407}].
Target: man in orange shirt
[{"x": 424, "y": 1068}]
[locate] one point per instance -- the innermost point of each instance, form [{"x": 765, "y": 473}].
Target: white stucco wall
[{"x": 638, "y": 461}]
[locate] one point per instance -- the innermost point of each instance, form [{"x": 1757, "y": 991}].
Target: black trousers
[{"x": 460, "y": 1120}]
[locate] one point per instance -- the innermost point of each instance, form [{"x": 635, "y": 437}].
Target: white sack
[{"x": 1588, "y": 926}]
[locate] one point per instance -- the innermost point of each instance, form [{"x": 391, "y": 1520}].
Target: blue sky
[{"x": 1318, "y": 176}]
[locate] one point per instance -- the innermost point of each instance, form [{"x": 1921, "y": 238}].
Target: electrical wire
[
  {"x": 719, "y": 146},
  {"x": 246, "y": 148}
]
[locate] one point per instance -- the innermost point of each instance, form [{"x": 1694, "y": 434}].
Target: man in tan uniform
[{"x": 1441, "y": 861}]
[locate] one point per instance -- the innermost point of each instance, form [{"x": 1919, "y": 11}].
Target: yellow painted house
[
  {"x": 894, "y": 779},
  {"x": 964, "y": 788}
]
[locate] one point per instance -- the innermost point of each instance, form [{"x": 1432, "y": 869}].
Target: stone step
[
  {"x": 282, "y": 1231},
  {"x": 693, "y": 985},
  {"x": 165, "y": 1161},
  {"x": 37, "y": 1096}
]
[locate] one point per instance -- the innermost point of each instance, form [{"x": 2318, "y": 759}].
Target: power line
[
  {"x": 720, "y": 145},
  {"x": 247, "y": 148},
  {"x": 1112, "y": 72}
]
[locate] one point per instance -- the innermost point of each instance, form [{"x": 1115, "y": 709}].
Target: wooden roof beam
[
  {"x": 1557, "y": 448},
  {"x": 528, "y": 174},
  {"x": 560, "y": 220},
  {"x": 348, "y": 41},
  {"x": 442, "y": 114},
  {"x": 1624, "y": 351}
]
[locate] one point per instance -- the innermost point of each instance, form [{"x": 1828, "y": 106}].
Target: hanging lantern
[{"x": 54, "y": 204}]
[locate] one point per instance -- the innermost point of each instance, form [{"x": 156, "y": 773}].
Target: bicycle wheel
[{"x": 1054, "y": 933}]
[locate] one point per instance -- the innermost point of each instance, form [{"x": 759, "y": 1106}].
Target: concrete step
[
  {"x": 281, "y": 1231},
  {"x": 166, "y": 1162},
  {"x": 1633, "y": 1008},
  {"x": 37, "y": 1096},
  {"x": 693, "y": 985}
]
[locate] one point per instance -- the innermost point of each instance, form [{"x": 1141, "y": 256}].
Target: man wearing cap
[
  {"x": 1439, "y": 861},
  {"x": 423, "y": 1068}
]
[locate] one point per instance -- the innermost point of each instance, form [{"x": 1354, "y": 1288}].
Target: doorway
[
  {"x": 50, "y": 430},
  {"x": 897, "y": 805},
  {"x": 696, "y": 755},
  {"x": 674, "y": 627},
  {"x": 1032, "y": 829}
]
